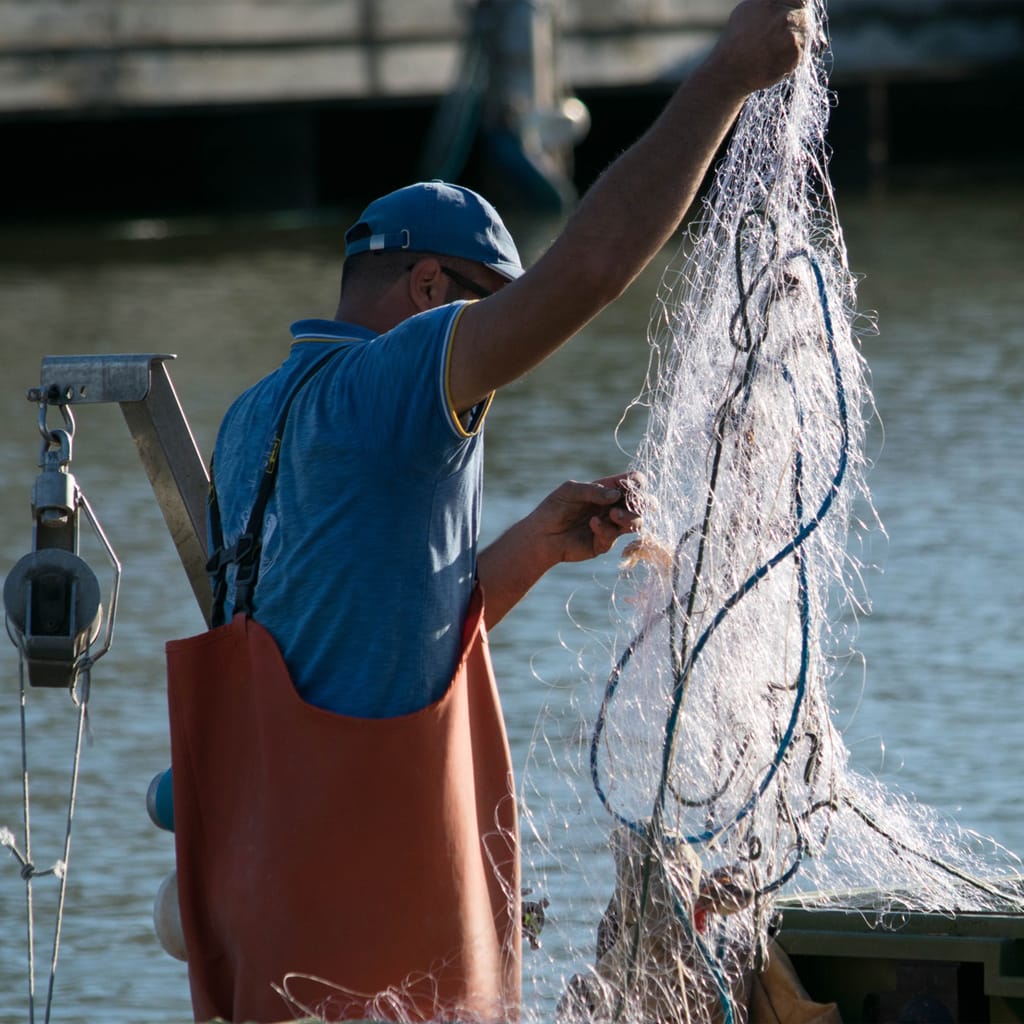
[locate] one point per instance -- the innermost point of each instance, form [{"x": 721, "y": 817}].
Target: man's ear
[{"x": 428, "y": 287}]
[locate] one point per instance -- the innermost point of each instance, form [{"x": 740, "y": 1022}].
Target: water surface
[{"x": 933, "y": 709}]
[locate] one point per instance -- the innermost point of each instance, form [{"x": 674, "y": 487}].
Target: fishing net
[{"x": 715, "y": 787}]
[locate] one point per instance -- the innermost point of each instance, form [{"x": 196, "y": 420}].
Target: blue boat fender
[{"x": 160, "y": 800}]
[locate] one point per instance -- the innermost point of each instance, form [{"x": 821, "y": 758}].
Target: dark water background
[{"x": 935, "y": 709}]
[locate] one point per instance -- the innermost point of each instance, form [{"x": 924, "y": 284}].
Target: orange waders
[{"x": 366, "y": 867}]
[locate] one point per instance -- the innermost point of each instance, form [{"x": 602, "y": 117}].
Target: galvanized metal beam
[{"x": 141, "y": 385}]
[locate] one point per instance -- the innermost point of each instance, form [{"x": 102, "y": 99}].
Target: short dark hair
[
  {"x": 381, "y": 268},
  {"x": 377, "y": 268}
]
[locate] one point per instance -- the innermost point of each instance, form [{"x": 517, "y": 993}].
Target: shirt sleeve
[{"x": 394, "y": 392}]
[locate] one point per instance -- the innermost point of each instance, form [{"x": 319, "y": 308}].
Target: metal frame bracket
[{"x": 141, "y": 385}]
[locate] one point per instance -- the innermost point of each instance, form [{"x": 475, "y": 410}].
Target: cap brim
[{"x": 509, "y": 271}]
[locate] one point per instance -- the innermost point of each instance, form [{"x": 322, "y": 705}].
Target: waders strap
[{"x": 245, "y": 552}]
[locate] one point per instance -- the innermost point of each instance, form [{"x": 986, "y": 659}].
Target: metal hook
[
  {"x": 43, "y": 429},
  {"x": 51, "y": 437}
]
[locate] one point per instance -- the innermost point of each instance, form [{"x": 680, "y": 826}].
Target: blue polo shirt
[{"x": 369, "y": 539}]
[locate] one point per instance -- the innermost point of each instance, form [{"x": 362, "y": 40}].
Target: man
[{"x": 345, "y": 814}]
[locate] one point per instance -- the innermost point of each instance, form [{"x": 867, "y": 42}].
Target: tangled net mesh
[{"x": 714, "y": 772}]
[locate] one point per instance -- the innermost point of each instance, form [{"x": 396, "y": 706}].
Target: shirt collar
[{"x": 329, "y": 330}]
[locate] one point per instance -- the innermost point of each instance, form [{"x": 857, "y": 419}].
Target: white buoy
[{"x": 167, "y": 918}]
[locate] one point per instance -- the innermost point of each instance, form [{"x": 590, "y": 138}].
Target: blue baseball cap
[{"x": 434, "y": 216}]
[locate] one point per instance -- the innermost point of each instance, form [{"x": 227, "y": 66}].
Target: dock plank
[{"x": 108, "y": 55}]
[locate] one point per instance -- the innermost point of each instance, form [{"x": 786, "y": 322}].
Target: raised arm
[{"x": 631, "y": 210}]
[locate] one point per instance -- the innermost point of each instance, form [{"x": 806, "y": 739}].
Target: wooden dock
[
  {"x": 213, "y": 105},
  {"x": 112, "y": 55}
]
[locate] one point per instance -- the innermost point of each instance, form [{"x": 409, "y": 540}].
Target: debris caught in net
[{"x": 722, "y": 787}]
